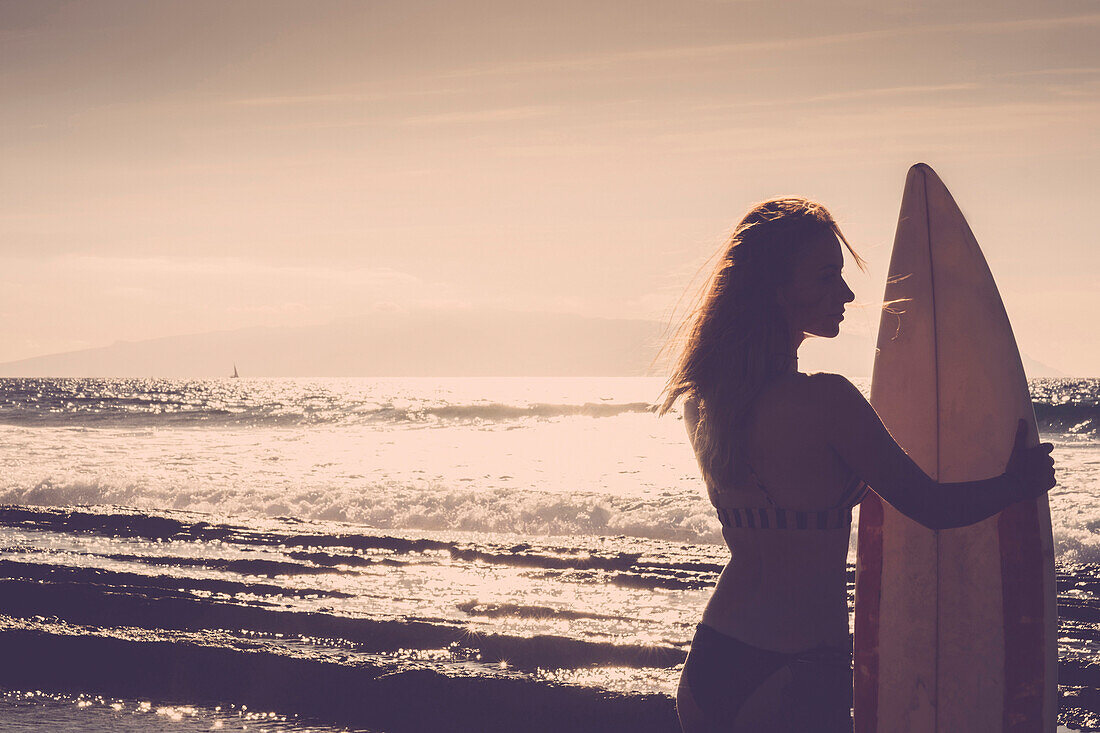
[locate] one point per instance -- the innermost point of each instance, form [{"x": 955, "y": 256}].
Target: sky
[{"x": 180, "y": 167}]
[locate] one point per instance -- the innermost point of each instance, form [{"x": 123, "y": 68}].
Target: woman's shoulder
[
  {"x": 807, "y": 394},
  {"x": 827, "y": 383},
  {"x": 832, "y": 396},
  {"x": 803, "y": 384}
]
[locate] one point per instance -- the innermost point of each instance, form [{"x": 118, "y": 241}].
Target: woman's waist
[
  {"x": 789, "y": 585},
  {"x": 807, "y": 550},
  {"x": 780, "y": 617},
  {"x": 797, "y": 577}
]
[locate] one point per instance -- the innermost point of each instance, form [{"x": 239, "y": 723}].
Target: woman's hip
[{"x": 728, "y": 685}]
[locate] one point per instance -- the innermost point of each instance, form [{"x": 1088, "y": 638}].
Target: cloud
[
  {"x": 1020, "y": 25},
  {"x": 675, "y": 53},
  {"x": 964, "y": 129},
  {"x": 1065, "y": 71},
  {"x": 234, "y": 267},
  {"x": 333, "y": 98},
  {"x": 504, "y": 114},
  {"x": 591, "y": 62},
  {"x": 853, "y": 94}
]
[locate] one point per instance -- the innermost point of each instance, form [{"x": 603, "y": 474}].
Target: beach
[{"x": 387, "y": 555}]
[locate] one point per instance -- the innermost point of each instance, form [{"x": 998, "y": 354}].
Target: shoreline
[{"x": 286, "y": 617}]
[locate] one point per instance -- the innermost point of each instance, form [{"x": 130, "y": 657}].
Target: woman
[{"x": 785, "y": 456}]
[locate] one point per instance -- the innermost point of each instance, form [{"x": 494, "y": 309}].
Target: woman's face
[{"x": 813, "y": 299}]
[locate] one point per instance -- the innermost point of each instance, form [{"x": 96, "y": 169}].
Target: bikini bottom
[{"x": 722, "y": 672}]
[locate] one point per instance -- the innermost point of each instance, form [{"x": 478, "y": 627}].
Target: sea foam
[{"x": 529, "y": 457}]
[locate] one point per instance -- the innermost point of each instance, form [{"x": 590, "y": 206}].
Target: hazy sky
[{"x": 177, "y": 167}]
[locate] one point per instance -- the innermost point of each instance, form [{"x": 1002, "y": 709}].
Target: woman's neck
[{"x": 791, "y": 361}]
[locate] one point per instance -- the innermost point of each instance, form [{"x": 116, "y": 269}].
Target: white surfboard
[{"x": 955, "y": 630}]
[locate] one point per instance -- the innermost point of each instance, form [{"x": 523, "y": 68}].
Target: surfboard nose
[
  {"x": 925, "y": 191},
  {"x": 922, "y": 173}
]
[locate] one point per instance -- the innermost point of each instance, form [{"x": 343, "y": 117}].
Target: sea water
[{"x": 547, "y": 536}]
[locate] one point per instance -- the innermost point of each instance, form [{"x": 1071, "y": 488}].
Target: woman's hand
[{"x": 1031, "y": 468}]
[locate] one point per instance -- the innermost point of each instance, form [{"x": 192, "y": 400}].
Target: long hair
[{"x": 736, "y": 339}]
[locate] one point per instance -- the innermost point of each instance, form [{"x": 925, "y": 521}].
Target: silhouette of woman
[{"x": 785, "y": 456}]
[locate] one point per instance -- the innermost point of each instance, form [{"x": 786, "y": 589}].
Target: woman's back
[{"x": 785, "y": 586}]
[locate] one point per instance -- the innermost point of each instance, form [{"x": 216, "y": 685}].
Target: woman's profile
[{"x": 785, "y": 456}]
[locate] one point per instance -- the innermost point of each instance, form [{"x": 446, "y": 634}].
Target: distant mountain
[
  {"x": 417, "y": 343},
  {"x": 424, "y": 343},
  {"x": 854, "y": 355},
  {"x": 1035, "y": 368}
]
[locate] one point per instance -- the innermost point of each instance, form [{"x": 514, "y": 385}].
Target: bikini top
[{"x": 838, "y": 516}]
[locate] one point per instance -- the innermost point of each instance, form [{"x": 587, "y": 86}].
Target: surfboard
[{"x": 955, "y": 630}]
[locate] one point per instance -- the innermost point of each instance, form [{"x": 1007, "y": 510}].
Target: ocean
[{"x": 392, "y": 554}]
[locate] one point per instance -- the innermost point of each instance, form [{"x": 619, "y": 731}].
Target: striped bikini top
[{"x": 838, "y": 516}]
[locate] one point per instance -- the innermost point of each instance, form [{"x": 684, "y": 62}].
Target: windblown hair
[{"x": 736, "y": 339}]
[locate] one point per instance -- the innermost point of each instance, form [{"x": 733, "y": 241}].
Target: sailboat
[{"x": 235, "y": 375}]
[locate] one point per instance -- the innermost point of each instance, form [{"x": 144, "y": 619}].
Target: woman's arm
[
  {"x": 858, "y": 436},
  {"x": 691, "y": 416}
]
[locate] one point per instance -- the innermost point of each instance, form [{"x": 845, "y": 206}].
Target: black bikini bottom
[{"x": 722, "y": 673}]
